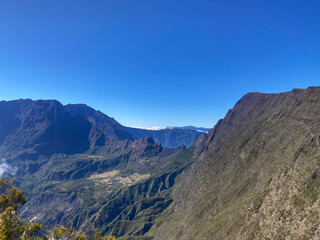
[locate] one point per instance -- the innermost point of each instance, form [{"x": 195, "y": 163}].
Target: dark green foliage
[{"x": 11, "y": 226}]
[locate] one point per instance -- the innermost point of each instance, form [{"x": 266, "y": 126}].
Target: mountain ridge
[
  {"x": 174, "y": 137},
  {"x": 256, "y": 174}
]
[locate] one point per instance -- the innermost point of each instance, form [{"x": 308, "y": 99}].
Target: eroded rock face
[
  {"x": 56, "y": 208},
  {"x": 257, "y": 175}
]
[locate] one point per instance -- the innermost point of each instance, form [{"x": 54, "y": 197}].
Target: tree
[
  {"x": 97, "y": 236},
  {"x": 70, "y": 233},
  {"x": 67, "y": 233},
  {"x": 12, "y": 228}
]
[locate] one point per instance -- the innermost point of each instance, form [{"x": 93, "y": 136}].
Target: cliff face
[{"x": 256, "y": 176}]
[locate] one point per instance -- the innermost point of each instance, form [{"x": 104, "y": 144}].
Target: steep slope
[
  {"x": 256, "y": 176},
  {"x": 109, "y": 126}
]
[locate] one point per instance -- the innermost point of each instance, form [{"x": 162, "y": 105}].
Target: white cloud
[
  {"x": 6, "y": 168},
  {"x": 151, "y": 128}
]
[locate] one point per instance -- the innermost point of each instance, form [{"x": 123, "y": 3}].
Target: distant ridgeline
[{"x": 255, "y": 175}]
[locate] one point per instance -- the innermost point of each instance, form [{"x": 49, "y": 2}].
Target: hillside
[
  {"x": 81, "y": 167},
  {"x": 256, "y": 175}
]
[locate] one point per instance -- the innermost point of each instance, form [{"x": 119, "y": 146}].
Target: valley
[{"x": 258, "y": 167}]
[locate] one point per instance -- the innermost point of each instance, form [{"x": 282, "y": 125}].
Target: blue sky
[{"x": 157, "y": 63}]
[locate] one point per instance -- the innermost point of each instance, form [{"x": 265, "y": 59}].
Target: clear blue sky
[{"x": 157, "y": 62}]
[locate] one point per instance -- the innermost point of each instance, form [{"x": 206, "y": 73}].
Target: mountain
[
  {"x": 108, "y": 126},
  {"x": 118, "y": 191},
  {"x": 44, "y": 126},
  {"x": 168, "y": 137},
  {"x": 77, "y": 165},
  {"x": 200, "y": 129},
  {"x": 256, "y": 174}
]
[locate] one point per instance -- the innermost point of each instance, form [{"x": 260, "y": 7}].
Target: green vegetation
[
  {"x": 78, "y": 166},
  {"x": 12, "y": 228},
  {"x": 115, "y": 194},
  {"x": 256, "y": 176}
]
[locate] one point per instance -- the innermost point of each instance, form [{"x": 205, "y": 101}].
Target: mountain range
[
  {"x": 254, "y": 175},
  {"x": 199, "y": 129}
]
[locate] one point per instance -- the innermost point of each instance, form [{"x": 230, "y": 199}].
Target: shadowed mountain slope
[
  {"x": 43, "y": 125},
  {"x": 170, "y": 137},
  {"x": 109, "y": 126},
  {"x": 257, "y": 175}
]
